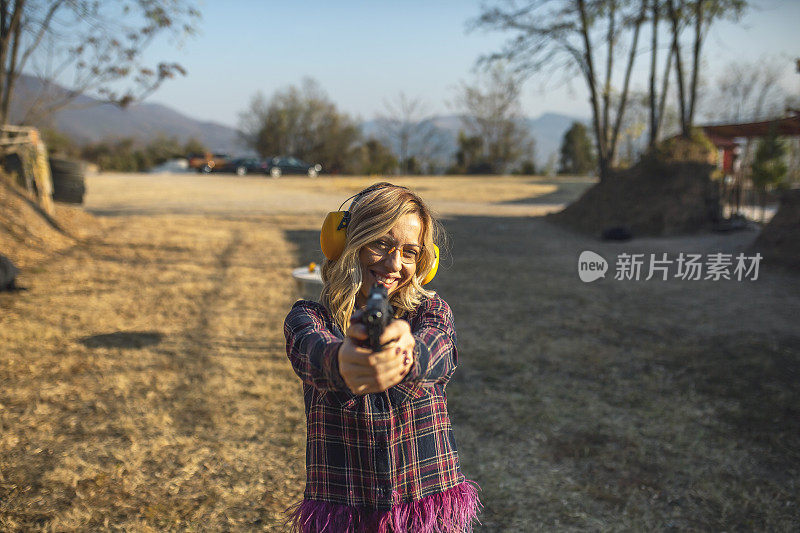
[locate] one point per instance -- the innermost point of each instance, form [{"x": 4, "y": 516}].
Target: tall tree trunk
[
  {"x": 403, "y": 151},
  {"x": 698, "y": 41},
  {"x": 623, "y": 100},
  {"x": 610, "y": 38},
  {"x": 590, "y": 78},
  {"x": 5, "y": 41},
  {"x": 681, "y": 89},
  {"x": 676, "y": 50},
  {"x": 662, "y": 104},
  {"x": 11, "y": 74},
  {"x": 653, "y": 62},
  {"x": 10, "y": 31}
]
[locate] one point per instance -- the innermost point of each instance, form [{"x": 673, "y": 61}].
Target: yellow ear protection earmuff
[
  {"x": 434, "y": 268},
  {"x": 333, "y": 236}
]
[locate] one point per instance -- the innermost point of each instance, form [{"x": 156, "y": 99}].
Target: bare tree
[
  {"x": 749, "y": 91},
  {"x": 407, "y": 127},
  {"x": 491, "y": 112},
  {"x": 86, "y": 46},
  {"x": 633, "y": 139},
  {"x": 570, "y": 35},
  {"x": 657, "y": 99},
  {"x": 700, "y": 15},
  {"x": 251, "y": 121}
]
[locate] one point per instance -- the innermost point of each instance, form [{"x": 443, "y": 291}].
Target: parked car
[
  {"x": 243, "y": 165},
  {"x": 207, "y": 162},
  {"x": 291, "y": 165},
  {"x": 196, "y": 160}
]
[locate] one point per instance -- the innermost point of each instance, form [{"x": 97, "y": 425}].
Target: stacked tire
[
  {"x": 8, "y": 274},
  {"x": 69, "y": 185}
]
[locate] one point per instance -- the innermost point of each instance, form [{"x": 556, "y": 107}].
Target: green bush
[{"x": 696, "y": 148}]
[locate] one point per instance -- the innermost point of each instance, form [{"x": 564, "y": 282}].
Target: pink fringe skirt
[{"x": 451, "y": 511}]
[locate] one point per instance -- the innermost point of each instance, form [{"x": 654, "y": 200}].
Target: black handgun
[{"x": 377, "y": 315}]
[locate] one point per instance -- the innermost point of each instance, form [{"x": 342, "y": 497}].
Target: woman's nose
[{"x": 393, "y": 260}]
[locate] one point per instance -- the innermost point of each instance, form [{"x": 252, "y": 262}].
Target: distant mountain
[
  {"x": 548, "y": 130},
  {"x": 88, "y": 120}
]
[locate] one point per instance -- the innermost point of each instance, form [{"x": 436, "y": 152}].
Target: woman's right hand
[{"x": 365, "y": 371}]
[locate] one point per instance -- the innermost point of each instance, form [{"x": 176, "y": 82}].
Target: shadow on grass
[
  {"x": 755, "y": 382},
  {"x": 307, "y": 243},
  {"x": 123, "y": 339}
]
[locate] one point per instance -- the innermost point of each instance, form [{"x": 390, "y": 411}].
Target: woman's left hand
[
  {"x": 365, "y": 371},
  {"x": 398, "y": 333}
]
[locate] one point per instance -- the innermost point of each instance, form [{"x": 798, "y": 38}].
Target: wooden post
[
  {"x": 44, "y": 180},
  {"x": 26, "y": 142}
]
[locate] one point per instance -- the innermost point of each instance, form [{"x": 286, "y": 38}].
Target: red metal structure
[
  {"x": 723, "y": 135},
  {"x": 728, "y": 139}
]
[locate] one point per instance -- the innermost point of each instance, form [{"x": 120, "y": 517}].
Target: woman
[{"x": 380, "y": 452}]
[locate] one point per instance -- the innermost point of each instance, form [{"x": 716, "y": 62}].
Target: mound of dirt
[
  {"x": 652, "y": 198},
  {"x": 28, "y": 235},
  {"x": 779, "y": 241}
]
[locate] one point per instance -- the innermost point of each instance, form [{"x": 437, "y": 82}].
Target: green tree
[
  {"x": 194, "y": 146},
  {"x": 120, "y": 155},
  {"x": 302, "y": 122},
  {"x": 59, "y": 143},
  {"x": 375, "y": 158},
  {"x": 128, "y": 155},
  {"x": 469, "y": 156},
  {"x": 577, "y": 155},
  {"x": 161, "y": 149},
  {"x": 769, "y": 167},
  {"x": 526, "y": 168},
  {"x": 412, "y": 165}
]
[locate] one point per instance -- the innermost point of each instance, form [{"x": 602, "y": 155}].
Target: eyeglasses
[{"x": 410, "y": 254}]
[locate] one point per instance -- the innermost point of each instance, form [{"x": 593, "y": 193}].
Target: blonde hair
[{"x": 374, "y": 212}]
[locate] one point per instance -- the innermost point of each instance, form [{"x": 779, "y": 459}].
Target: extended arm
[
  {"x": 435, "y": 352},
  {"x": 312, "y": 348}
]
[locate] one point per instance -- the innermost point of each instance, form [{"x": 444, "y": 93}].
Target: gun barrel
[{"x": 377, "y": 314}]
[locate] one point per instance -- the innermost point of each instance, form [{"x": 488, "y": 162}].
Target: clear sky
[{"x": 364, "y": 53}]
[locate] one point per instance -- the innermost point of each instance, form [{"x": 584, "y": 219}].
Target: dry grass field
[{"x": 144, "y": 384}]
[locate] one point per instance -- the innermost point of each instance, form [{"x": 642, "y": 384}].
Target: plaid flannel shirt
[{"x": 376, "y": 450}]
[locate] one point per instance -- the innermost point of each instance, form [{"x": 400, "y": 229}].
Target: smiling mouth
[{"x": 386, "y": 281}]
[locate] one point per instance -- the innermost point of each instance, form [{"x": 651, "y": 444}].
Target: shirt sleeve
[
  {"x": 312, "y": 348},
  {"x": 435, "y": 352}
]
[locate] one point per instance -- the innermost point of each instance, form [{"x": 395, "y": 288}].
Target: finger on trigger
[
  {"x": 393, "y": 331},
  {"x": 386, "y": 353},
  {"x": 357, "y": 330}
]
